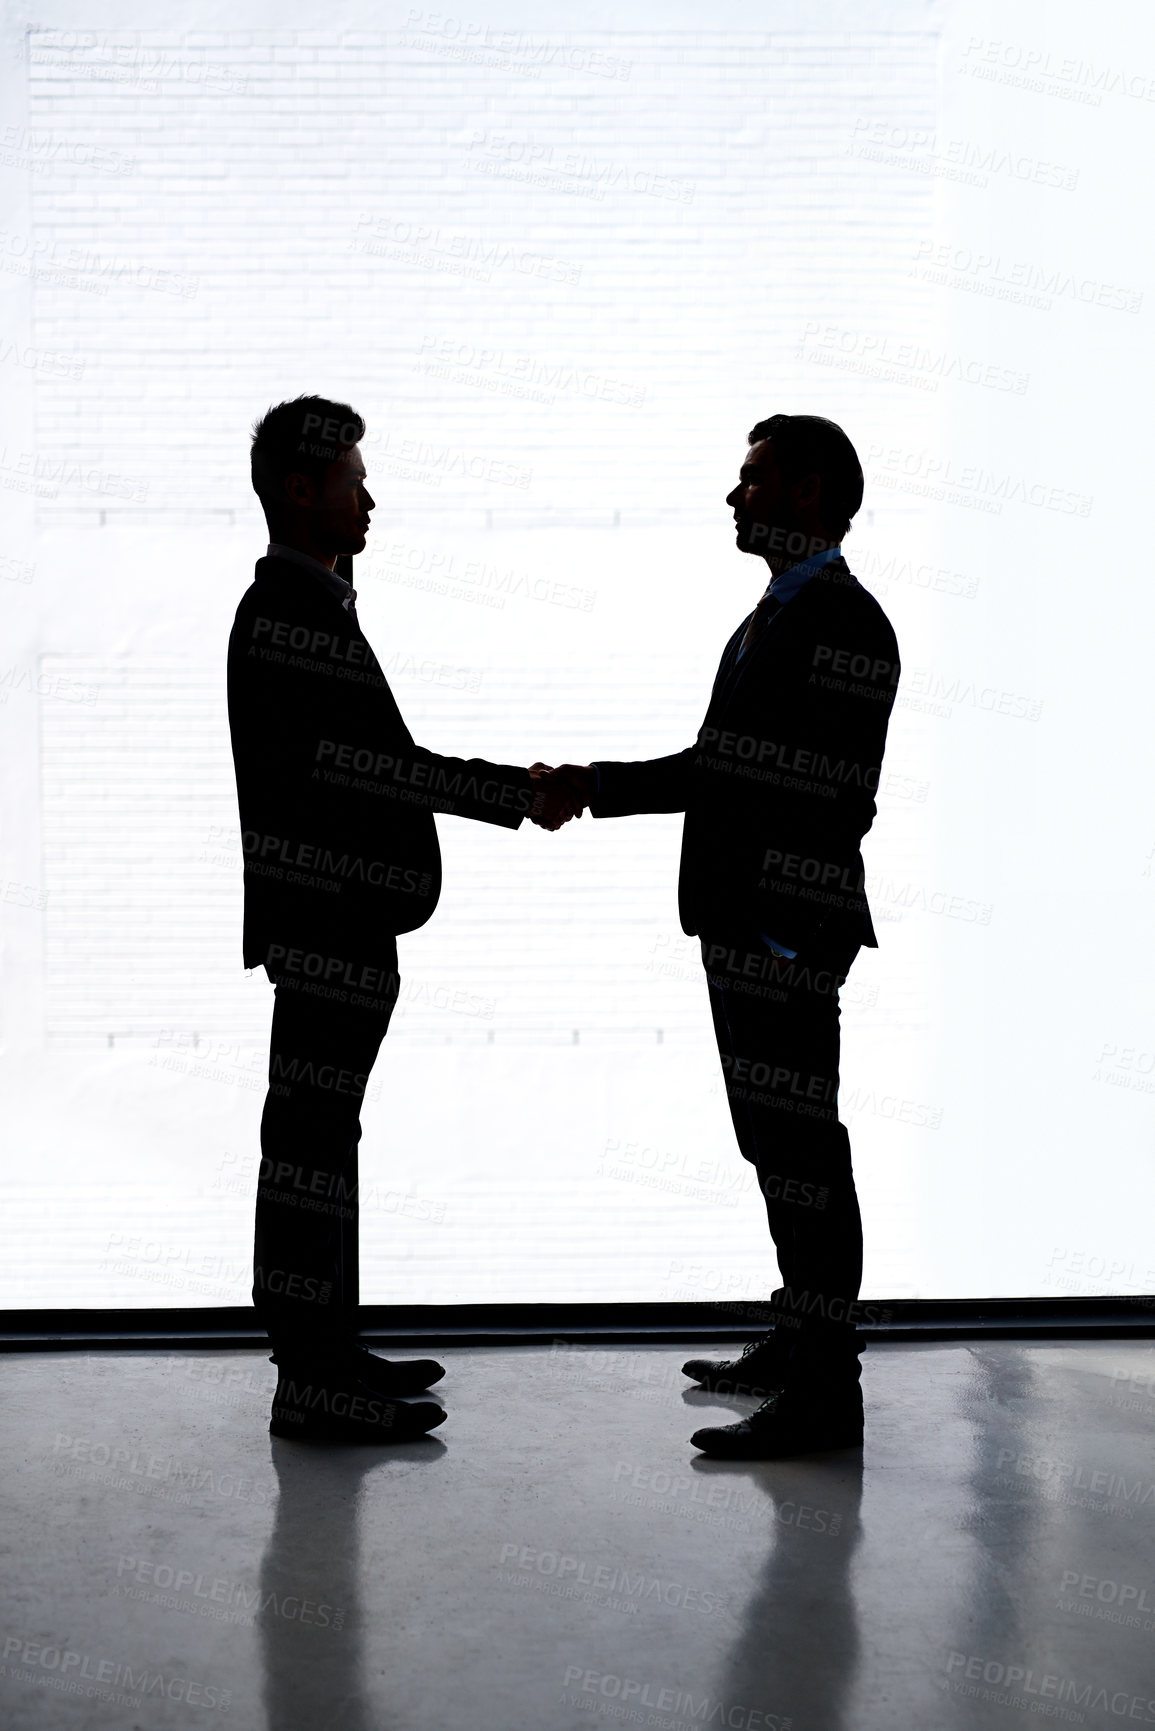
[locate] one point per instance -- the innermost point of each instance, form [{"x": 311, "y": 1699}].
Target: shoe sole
[
  {"x": 286, "y": 1432},
  {"x": 775, "y": 1452},
  {"x": 286, "y": 1429},
  {"x": 388, "y": 1391},
  {"x": 381, "y": 1385},
  {"x": 728, "y": 1385}
]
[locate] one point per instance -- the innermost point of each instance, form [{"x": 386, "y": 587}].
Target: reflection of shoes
[
  {"x": 388, "y": 1377},
  {"x": 325, "y": 1406},
  {"x": 791, "y": 1421},
  {"x": 756, "y": 1370}
]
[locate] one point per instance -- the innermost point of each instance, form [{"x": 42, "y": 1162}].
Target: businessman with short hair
[
  {"x": 778, "y": 793},
  {"x": 337, "y": 807}
]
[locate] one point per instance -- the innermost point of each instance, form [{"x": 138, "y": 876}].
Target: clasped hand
[{"x": 559, "y": 794}]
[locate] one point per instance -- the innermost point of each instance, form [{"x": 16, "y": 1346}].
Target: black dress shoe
[
  {"x": 387, "y": 1377},
  {"x": 791, "y": 1421},
  {"x": 757, "y": 1369},
  {"x": 315, "y": 1403},
  {"x": 391, "y": 1378}
]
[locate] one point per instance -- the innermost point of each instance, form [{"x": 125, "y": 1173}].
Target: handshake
[{"x": 559, "y": 794}]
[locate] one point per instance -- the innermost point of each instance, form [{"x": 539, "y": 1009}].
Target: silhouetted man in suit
[
  {"x": 778, "y": 793},
  {"x": 337, "y": 808}
]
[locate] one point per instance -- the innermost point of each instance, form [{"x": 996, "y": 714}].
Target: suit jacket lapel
[
  {"x": 726, "y": 666},
  {"x": 724, "y": 690},
  {"x": 810, "y": 595}
]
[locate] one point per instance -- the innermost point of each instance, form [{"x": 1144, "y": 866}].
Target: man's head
[
  {"x": 798, "y": 488},
  {"x": 308, "y": 474}
]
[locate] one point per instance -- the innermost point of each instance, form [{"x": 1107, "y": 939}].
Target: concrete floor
[{"x": 560, "y": 1555}]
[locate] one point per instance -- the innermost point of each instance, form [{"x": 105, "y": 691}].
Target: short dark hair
[
  {"x": 810, "y": 444},
  {"x": 301, "y": 437}
]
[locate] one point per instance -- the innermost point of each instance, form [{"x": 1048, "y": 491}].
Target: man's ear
[{"x": 299, "y": 489}]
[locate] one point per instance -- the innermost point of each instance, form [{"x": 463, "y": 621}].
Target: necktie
[{"x": 759, "y": 619}]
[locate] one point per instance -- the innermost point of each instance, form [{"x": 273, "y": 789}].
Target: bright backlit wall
[{"x": 562, "y": 258}]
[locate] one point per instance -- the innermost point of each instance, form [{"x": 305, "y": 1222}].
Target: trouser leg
[
  {"x": 305, "y": 1241},
  {"x": 777, "y": 1027}
]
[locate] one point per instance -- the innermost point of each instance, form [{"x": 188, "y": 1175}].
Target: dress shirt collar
[
  {"x": 338, "y": 585},
  {"x": 784, "y": 588}
]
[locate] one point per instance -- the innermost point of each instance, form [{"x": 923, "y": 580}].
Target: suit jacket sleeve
[
  {"x": 498, "y": 793},
  {"x": 660, "y": 784},
  {"x": 298, "y": 727}
]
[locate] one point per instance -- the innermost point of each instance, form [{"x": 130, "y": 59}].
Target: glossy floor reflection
[{"x": 560, "y": 1555}]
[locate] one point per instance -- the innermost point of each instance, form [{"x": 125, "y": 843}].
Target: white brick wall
[
  {"x": 562, "y": 268},
  {"x": 284, "y": 210}
]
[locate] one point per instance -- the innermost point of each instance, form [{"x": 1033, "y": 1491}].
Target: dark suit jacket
[
  {"x": 336, "y": 801},
  {"x": 779, "y": 790}
]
